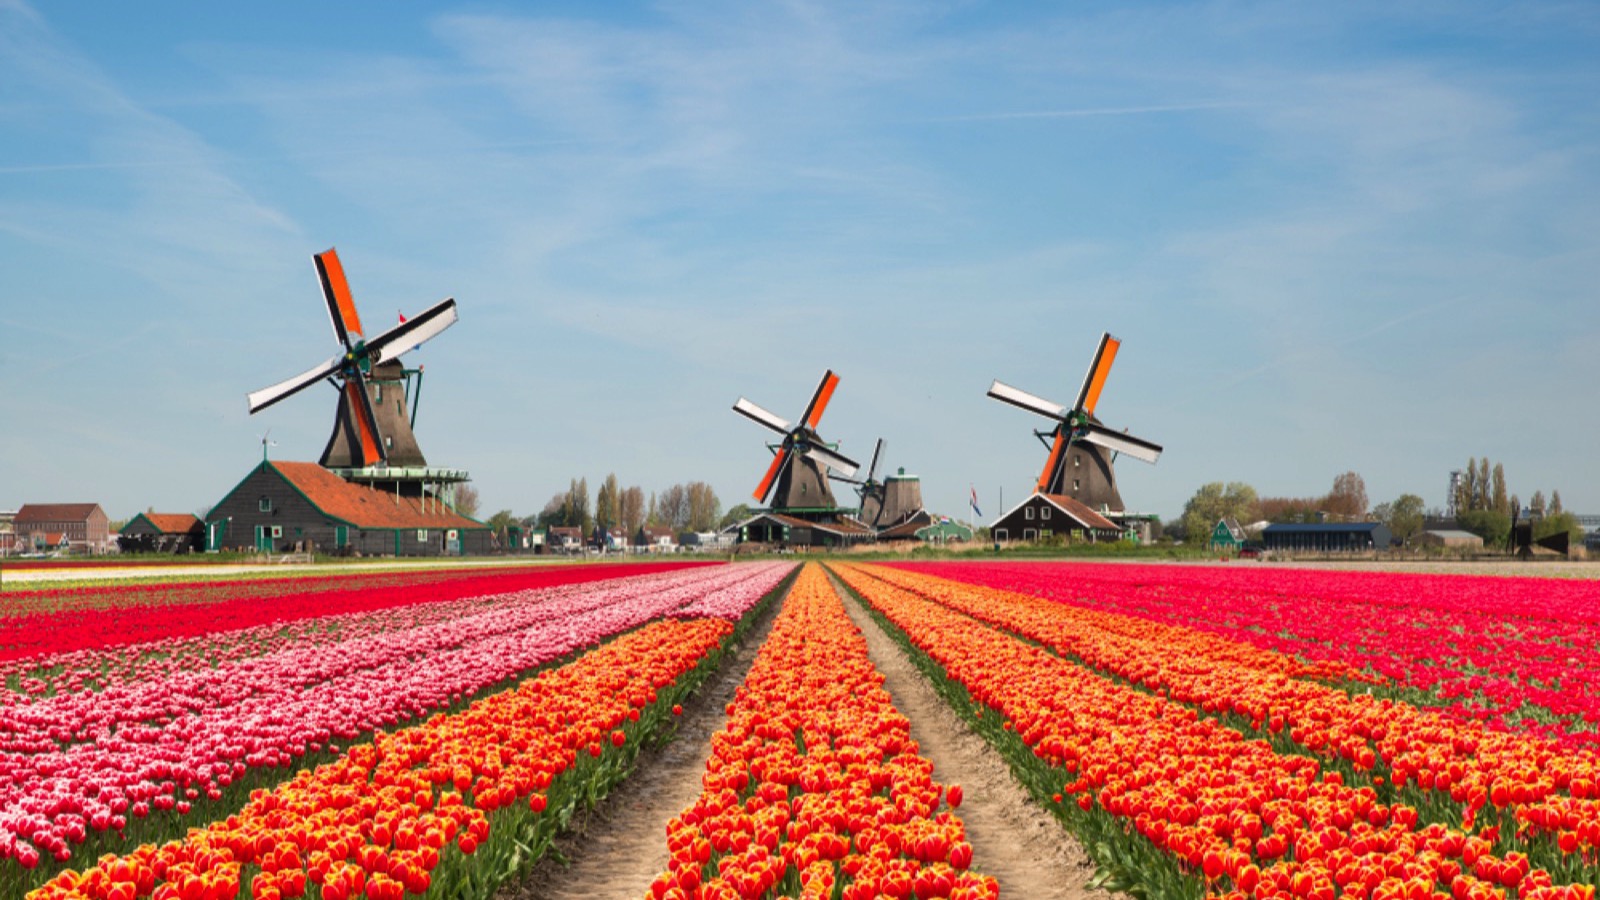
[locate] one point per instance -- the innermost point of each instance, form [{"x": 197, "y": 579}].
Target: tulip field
[{"x": 1247, "y": 732}]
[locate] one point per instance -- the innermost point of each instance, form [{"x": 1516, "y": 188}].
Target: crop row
[
  {"x": 84, "y": 766},
  {"x": 815, "y": 788},
  {"x": 50, "y": 623},
  {"x": 1500, "y": 651},
  {"x": 1537, "y": 795},
  {"x": 448, "y": 807},
  {"x": 1232, "y": 813}
]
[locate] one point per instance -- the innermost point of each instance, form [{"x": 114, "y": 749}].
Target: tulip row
[
  {"x": 151, "y": 750},
  {"x": 1451, "y": 769},
  {"x": 1501, "y": 651},
  {"x": 296, "y": 623},
  {"x": 452, "y": 805},
  {"x": 1229, "y": 811},
  {"x": 815, "y": 787},
  {"x": 53, "y": 622}
]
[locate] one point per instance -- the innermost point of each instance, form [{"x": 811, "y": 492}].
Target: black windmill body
[
  {"x": 1082, "y": 450},
  {"x": 372, "y": 428},
  {"x": 796, "y": 483},
  {"x": 889, "y": 501}
]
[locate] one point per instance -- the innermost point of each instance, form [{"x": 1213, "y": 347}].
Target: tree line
[
  {"x": 690, "y": 506},
  {"x": 1484, "y": 507}
]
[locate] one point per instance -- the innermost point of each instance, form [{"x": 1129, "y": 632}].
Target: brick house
[{"x": 83, "y": 527}]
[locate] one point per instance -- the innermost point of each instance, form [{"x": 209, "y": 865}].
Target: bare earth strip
[
  {"x": 622, "y": 845},
  {"x": 1012, "y": 838}
]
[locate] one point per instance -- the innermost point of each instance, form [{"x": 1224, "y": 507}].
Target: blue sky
[{"x": 1332, "y": 236}]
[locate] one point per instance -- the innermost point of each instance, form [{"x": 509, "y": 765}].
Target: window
[
  {"x": 1046, "y": 533},
  {"x": 1027, "y": 513},
  {"x": 388, "y": 442},
  {"x": 1000, "y": 534},
  {"x": 277, "y": 531},
  {"x": 1044, "y": 512},
  {"x": 1076, "y": 460},
  {"x": 265, "y": 505},
  {"x": 377, "y": 391},
  {"x": 1028, "y": 534},
  {"x": 422, "y": 535},
  {"x": 1074, "y": 484}
]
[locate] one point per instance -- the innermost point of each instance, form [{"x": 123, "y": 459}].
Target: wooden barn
[
  {"x": 770, "y": 529},
  {"x": 1328, "y": 537},
  {"x": 1043, "y": 516},
  {"x": 283, "y": 507},
  {"x": 162, "y": 533}
]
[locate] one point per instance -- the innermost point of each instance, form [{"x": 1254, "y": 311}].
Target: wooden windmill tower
[
  {"x": 372, "y": 439},
  {"x": 797, "y": 480},
  {"x": 889, "y": 502},
  {"x": 1081, "y": 449}
]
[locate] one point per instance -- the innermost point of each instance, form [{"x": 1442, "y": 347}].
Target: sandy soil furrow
[
  {"x": 622, "y": 844},
  {"x": 1012, "y": 838}
]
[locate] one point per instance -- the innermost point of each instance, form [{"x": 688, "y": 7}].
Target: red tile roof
[
  {"x": 173, "y": 523},
  {"x": 55, "y": 512},
  {"x": 1081, "y": 511},
  {"x": 363, "y": 506}
]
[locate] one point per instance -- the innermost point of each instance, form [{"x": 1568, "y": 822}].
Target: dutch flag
[{"x": 975, "y": 510}]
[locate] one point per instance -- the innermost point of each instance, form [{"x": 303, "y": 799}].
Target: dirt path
[
  {"x": 1012, "y": 838},
  {"x": 622, "y": 845}
]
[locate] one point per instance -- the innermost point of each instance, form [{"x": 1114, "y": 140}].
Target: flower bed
[
  {"x": 84, "y": 766},
  {"x": 1229, "y": 814},
  {"x": 815, "y": 787}
]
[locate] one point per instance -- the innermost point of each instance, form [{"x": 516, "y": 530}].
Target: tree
[
  {"x": 1555, "y": 503},
  {"x": 738, "y": 513},
  {"x": 1537, "y": 504},
  {"x": 1516, "y": 506},
  {"x": 1348, "y": 499},
  {"x": 499, "y": 522},
  {"x": 650, "y": 511},
  {"x": 467, "y": 500},
  {"x": 1487, "y": 524},
  {"x": 631, "y": 509},
  {"x": 580, "y": 507},
  {"x": 672, "y": 507},
  {"x": 554, "y": 512},
  {"x": 1405, "y": 517},
  {"x": 1290, "y": 509},
  {"x": 1214, "y": 502},
  {"x": 1557, "y": 522},
  {"x": 703, "y": 506},
  {"x": 1498, "y": 501},
  {"x": 1483, "y": 484},
  {"x": 1469, "y": 486},
  {"x": 605, "y": 504}
]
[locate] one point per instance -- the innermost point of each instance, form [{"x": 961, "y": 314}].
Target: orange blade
[
  {"x": 341, "y": 305},
  {"x": 1050, "y": 464},
  {"x": 819, "y": 402},
  {"x": 765, "y": 486},
  {"x": 366, "y": 428},
  {"x": 1098, "y": 373}
]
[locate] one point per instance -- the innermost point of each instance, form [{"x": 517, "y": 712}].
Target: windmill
[
  {"x": 369, "y": 429},
  {"x": 1079, "y": 465},
  {"x": 797, "y": 480},
  {"x": 869, "y": 489}
]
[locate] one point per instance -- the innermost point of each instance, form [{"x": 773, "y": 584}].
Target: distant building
[
  {"x": 163, "y": 533},
  {"x": 944, "y": 531},
  {"x": 283, "y": 507},
  {"x": 656, "y": 539},
  {"x": 1042, "y": 516},
  {"x": 1327, "y": 537},
  {"x": 708, "y": 541},
  {"x": 1228, "y": 535},
  {"x": 565, "y": 539},
  {"x": 1449, "y": 539},
  {"x": 78, "y": 527}
]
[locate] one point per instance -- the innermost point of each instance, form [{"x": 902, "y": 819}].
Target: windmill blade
[
  {"x": 819, "y": 400},
  {"x": 771, "y": 478},
  {"x": 267, "y": 396},
  {"x": 341, "y": 304},
  {"x": 413, "y": 333},
  {"x": 1056, "y": 447},
  {"x": 750, "y": 410},
  {"x": 1005, "y": 393},
  {"x": 366, "y": 419},
  {"x": 1099, "y": 368},
  {"x": 872, "y": 468},
  {"x": 843, "y": 465},
  {"x": 1126, "y": 444}
]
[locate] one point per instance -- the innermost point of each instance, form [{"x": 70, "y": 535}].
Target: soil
[
  {"x": 1012, "y": 838},
  {"x": 621, "y": 846}
]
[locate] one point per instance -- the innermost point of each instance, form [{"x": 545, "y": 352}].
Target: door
[
  {"x": 341, "y": 536},
  {"x": 214, "y": 533},
  {"x": 263, "y": 539}
]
